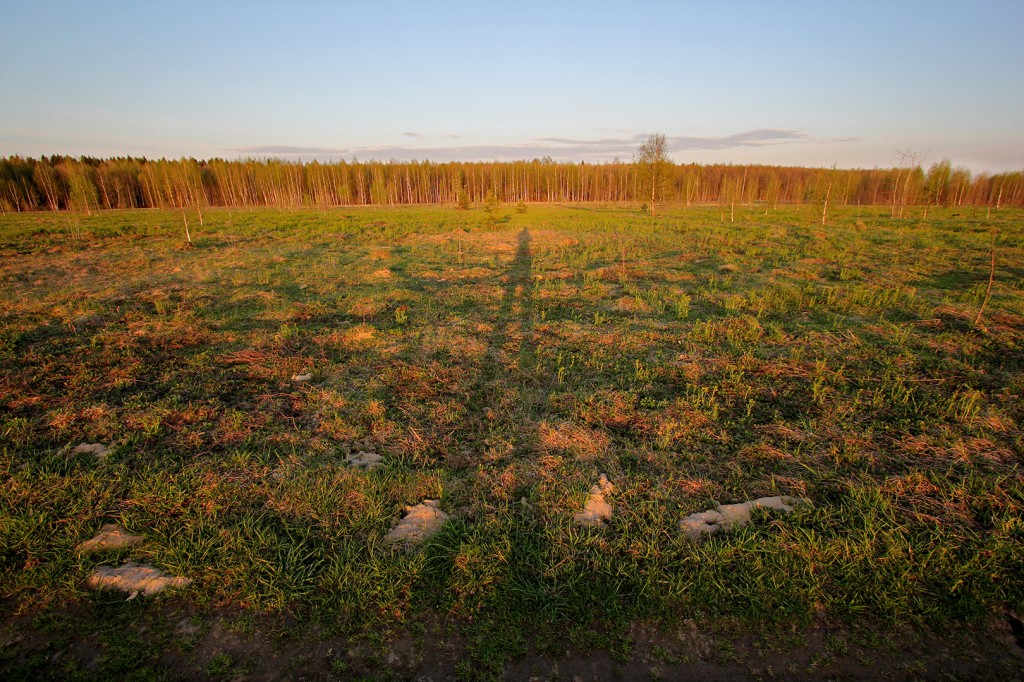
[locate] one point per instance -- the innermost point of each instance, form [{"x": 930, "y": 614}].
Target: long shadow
[
  {"x": 511, "y": 365},
  {"x": 519, "y": 289},
  {"x": 508, "y": 395}
]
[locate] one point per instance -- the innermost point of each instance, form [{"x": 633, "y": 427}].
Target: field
[{"x": 501, "y": 366}]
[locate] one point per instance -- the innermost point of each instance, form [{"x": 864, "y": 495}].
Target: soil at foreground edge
[{"x": 230, "y": 645}]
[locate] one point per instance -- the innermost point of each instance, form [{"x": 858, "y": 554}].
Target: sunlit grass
[{"x": 501, "y": 369}]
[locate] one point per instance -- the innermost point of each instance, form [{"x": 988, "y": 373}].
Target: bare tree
[
  {"x": 907, "y": 158},
  {"x": 81, "y": 187},
  {"x": 909, "y": 163},
  {"x": 653, "y": 165},
  {"x": 48, "y": 179},
  {"x": 828, "y": 193},
  {"x": 991, "y": 278}
]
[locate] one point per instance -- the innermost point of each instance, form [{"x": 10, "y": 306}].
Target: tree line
[{"x": 86, "y": 184}]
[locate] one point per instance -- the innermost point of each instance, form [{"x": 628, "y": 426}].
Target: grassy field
[{"x": 501, "y": 368}]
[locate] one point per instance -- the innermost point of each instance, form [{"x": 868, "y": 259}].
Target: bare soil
[{"x": 230, "y": 645}]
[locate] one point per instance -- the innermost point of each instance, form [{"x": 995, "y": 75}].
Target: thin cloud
[
  {"x": 750, "y": 138},
  {"x": 458, "y": 153},
  {"x": 557, "y": 148},
  {"x": 597, "y": 144},
  {"x": 421, "y": 136},
  {"x": 287, "y": 150}
]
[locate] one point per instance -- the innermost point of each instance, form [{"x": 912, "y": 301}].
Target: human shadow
[
  {"x": 519, "y": 292},
  {"x": 511, "y": 391}
]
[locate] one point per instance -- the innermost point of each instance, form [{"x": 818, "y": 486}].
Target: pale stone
[
  {"x": 134, "y": 578},
  {"x": 726, "y": 516},
  {"x": 420, "y": 523},
  {"x": 111, "y": 536},
  {"x": 364, "y": 460},
  {"x": 596, "y": 510},
  {"x": 98, "y": 450}
]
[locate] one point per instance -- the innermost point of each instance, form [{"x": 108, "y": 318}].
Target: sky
[{"x": 850, "y": 83}]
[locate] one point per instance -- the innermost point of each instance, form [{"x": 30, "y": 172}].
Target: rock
[
  {"x": 420, "y": 523},
  {"x": 364, "y": 460},
  {"x": 134, "y": 578},
  {"x": 99, "y": 450},
  {"x": 731, "y": 515},
  {"x": 301, "y": 377},
  {"x": 597, "y": 511},
  {"x": 111, "y": 536}
]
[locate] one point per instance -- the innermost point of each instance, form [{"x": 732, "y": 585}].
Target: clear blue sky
[{"x": 810, "y": 83}]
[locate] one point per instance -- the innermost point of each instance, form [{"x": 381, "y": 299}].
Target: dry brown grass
[
  {"x": 583, "y": 443},
  {"x": 630, "y": 304},
  {"x": 358, "y": 337},
  {"x": 763, "y": 453}
]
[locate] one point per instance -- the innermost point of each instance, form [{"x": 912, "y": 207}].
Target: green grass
[{"x": 501, "y": 369}]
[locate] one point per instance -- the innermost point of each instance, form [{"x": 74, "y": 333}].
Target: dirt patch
[
  {"x": 494, "y": 242},
  {"x": 582, "y": 442},
  {"x": 134, "y": 578},
  {"x": 358, "y": 337},
  {"x": 629, "y": 304},
  {"x": 726, "y": 516},
  {"x": 449, "y": 340},
  {"x": 364, "y": 460},
  {"x": 111, "y": 536},
  {"x": 597, "y": 511},
  {"x": 259, "y": 648},
  {"x": 420, "y": 523},
  {"x": 98, "y": 450},
  {"x": 365, "y": 308},
  {"x": 562, "y": 273}
]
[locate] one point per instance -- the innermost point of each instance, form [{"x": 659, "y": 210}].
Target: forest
[{"x": 85, "y": 184}]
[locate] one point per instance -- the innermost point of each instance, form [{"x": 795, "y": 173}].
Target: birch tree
[
  {"x": 82, "y": 195},
  {"x": 653, "y": 165}
]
